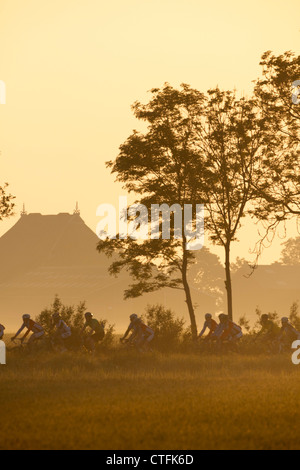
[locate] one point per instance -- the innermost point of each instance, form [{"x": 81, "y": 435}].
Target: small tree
[
  {"x": 74, "y": 318},
  {"x": 168, "y": 329}
]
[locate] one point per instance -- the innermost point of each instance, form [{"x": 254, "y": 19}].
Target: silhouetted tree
[
  {"x": 275, "y": 94},
  {"x": 231, "y": 144},
  {"x": 6, "y": 203},
  {"x": 291, "y": 251},
  {"x": 74, "y": 317},
  {"x": 279, "y": 186},
  {"x": 156, "y": 166},
  {"x": 208, "y": 275},
  {"x": 168, "y": 329}
]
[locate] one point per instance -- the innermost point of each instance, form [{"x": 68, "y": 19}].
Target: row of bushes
[{"x": 171, "y": 332}]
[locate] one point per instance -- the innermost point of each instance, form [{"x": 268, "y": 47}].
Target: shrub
[
  {"x": 74, "y": 318},
  {"x": 272, "y": 315},
  {"x": 244, "y": 323},
  {"x": 168, "y": 329},
  {"x": 109, "y": 337},
  {"x": 294, "y": 315}
]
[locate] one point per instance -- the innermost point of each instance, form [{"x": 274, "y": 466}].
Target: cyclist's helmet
[
  {"x": 264, "y": 317},
  {"x": 133, "y": 317},
  {"x": 284, "y": 320},
  {"x": 208, "y": 316},
  {"x": 88, "y": 315},
  {"x": 26, "y": 316}
]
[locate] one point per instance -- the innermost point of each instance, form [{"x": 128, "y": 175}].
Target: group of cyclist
[
  {"x": 269, "y": 333},
  {"x": 275, "y": 335},
  {"x": 226, "y": 330},
  {"x": 61, "y": 332},
  {"x": 140, "y": 335}
]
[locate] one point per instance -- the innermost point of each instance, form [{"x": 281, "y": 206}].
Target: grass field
[{"x": 121, "y": 400}]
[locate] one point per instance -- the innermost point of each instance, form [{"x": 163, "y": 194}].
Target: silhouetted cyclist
[
  {"x": 210, "y": 324},
  {"x": 288, "y": 332},
  {"x": 141, "y": 334},
  {"x": 63, "y": 331},
  {"x": 97, "y": 331},
  {"x": 36, "y": 329},
  {"x": 220, "y": 327},
  {"x": 231, "y": 331},
  {"x": 269, "y": 330}
]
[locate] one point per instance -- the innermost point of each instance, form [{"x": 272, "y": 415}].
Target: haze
[{"x": 73, "y": 68}]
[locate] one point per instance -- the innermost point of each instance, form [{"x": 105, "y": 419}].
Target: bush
[
  {"x": 168, "y": 329},
  {"x": 294, "y": 315},
  {"x": 244, "y": 323},
  {"x": 74, "y": 318},
  {"x": 109, "y": 337},
  {"x": 272, "y": 316}
]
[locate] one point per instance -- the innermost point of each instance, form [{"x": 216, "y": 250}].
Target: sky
[{"x": 73, "y": 68}]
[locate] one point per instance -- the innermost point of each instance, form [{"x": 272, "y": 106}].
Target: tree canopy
[{"x": 158, "y": 167}]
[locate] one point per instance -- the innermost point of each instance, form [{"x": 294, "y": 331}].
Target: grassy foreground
[{"x": 125, "y": 401}]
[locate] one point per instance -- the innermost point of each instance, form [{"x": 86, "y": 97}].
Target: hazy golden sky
[{"x": 73, "y": 68}]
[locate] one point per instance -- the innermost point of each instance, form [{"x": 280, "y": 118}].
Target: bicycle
[
  {"x": 20, "y": 348},
  {"x": 41, "y": 344},
  {"x": 17, "y": 347},
  {"x": 135, "y": 344}
]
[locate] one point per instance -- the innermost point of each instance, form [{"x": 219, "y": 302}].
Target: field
[{"x": 121, "y": 400}]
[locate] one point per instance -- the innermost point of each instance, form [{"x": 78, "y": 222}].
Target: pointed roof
[
  {"x": 76, "y": 211},
  {"x": 23, "y": 212}
]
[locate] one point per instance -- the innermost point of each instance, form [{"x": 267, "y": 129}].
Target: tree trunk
[
  {"x": 228, "y": 281},
  {"x": 189, "y": 298}
]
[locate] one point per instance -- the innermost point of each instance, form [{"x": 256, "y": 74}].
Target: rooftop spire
[
  {"x": 23, "y": 212},
  {"x": 76, "y": 211}
]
